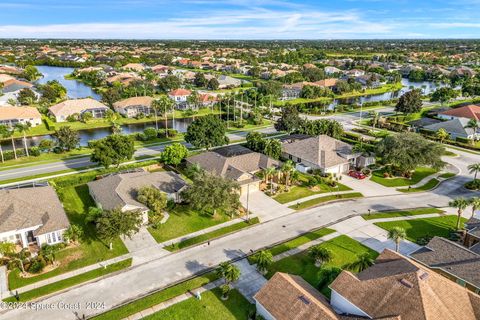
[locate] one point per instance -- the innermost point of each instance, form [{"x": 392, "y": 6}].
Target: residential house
[
  {"x": 235, "y": 162},
  {"x": 32, "y": 216},
  {"x": 207, "y": 100},
  {"x": 138, "y": 67},
  {"x": 331, "y": 70},
  {"x": 120, "y": 190},
  {"x": 322, "y": 152},
  {"x": 355, "y": 73},
  {"x": 228, "y": 82},
  {"x": 457, "y": 128},
  {"x": 294, "y": 90},
  {"x": 61, "y": 111},
  {"x": 179, "y": 96},
  {"x": 469, "y": 112},
  {"x": 394, "y": 288},
  {"x": 123, "y": 78},
  {"x": 451, "y": 260},
  {"x": 14, "y": 85},
  {"x": 10, "y": 116},
  {"x": 471, "y": 238},
  {"x": 10, "y": 70},
  {"x": 134, "y": 106},
  {"x": 327, "y": 83}
]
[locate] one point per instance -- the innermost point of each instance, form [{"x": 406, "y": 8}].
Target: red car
[{"x": 356, "y": 174}]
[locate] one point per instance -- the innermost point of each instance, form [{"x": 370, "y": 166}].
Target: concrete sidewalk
[{"x": 250, "y": 282}]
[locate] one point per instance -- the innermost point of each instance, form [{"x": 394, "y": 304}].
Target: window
[
  {"x": 59, "y": 236},
  {"x": 49, "y": 240},
  {"x": 54, "y": 237}
]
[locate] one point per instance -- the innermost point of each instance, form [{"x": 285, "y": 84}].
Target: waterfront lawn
[
  {"x": 210, "y": 307},
  {"x": 428, "y": 227},
  {"x": 344, "y": 250},
  {"x": 302, "y": 191},
  {"x": 156, "y": 298},
  {"x": 417, "y": 176},
  {"x": 184, "y": 220},
  {"x": 76, "y": 201},
  {"x": 69, "y": 282},
  {"x": 401, "y": 213},
  {"x": 320, "y": 200}
]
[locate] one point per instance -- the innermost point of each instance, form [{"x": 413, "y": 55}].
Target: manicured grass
[
  {"x": 432, "y": 183},
  {"x": 43, "y": 158},
  {"x": 183, "y": 220},
  {"x": 403, "y": 213},
  {"x": 210, "y": 307},
  {"x": 76, "y": 201},
  {"x": 294, "y": 243},
  {"x": 300, "y": 191},
  {"x": 379, "y": 90},
  {"x": 156, "y": 298},
  {"x": 211, "y": 235},
  {"x": 344, "y": 250},
  {"x": 320, "y": 200},
  {"x": 69, "y": 282},
  {"x": 420, "y": 228},
  {"x": 418, "y": 175},
  {"x": 447, "y": 175}
]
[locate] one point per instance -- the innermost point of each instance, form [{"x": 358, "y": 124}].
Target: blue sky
[{"x": 240, "y": 19}]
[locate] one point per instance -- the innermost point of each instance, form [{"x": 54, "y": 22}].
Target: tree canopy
[
  {"x": 114, "y": 223},
  {"x": 67, "y": 138},
  {"x": 410, "y": 102},
  {"x": 174, "y": 154},
  {"x": 112, "y": 150},
  {"x": 207, "y": 132}
]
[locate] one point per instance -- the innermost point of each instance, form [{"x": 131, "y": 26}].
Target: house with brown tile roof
[
  {"x": 234, "y": 162},
  {"x": 134, "y": 106},
  {"x": 322, "y": 152},
  {"x": 14, "y": 85},
  {"x": 10, "y": 116},
  {"x": 396, "y": 286},
  {"x": 61, "y": 111},
  {"x": 32, "y": 216},
  {"x": 134, "y": 66},
  {"x": 179, "y": 95},
  {"x": 469, "y": 112}
]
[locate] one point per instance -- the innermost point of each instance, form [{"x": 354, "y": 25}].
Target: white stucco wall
[
  {"x": 343, "y": 306},
  {"x": 263, "y": 312}
]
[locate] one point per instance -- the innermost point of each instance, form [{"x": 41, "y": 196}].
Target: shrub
[
  {"x": 36, "y": 266},
  {"x": 34, "y": 151},
  {"x": 473, "y": 185},
  {"x": 150, "y": 133}
]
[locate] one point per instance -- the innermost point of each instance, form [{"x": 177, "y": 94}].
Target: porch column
[{"x": 24, "y": 239}]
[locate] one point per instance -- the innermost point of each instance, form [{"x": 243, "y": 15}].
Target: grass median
[
  {"x": 401, "y": 213},
  {"x": 72, "y": 281},
  {"x": 432, "y": 183},
  {"x": 320, "y": 200},
  {"x": 211, "y": 235}
]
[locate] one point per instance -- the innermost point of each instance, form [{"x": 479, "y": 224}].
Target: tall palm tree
[
  {"x": 9, "y": 134},
  {"x": 473, "y": 124},
  {"x": 3, "y": 134},
  {"x": 363, "y": 262},
  {"x": 474, "y": 169},
  {"x": 287, "y": 168},
  {"x": 163, "y": 105},
  {"x": 475, "y": 203},
  {"x": 320, "y": 255},
  {"x": 23, "y": 128},
  {"x": 397, "y": 234},
  {"x": 460, "y": 204},
  {"x": 270, "y": 173},
  {"x": 263, "y": 259},
  {"x": 229, "y": 272}
]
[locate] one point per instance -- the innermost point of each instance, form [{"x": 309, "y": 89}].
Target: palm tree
[
  {"x": 475, "y": 203},
  {"x": 460, "y": 204},
  {"x": 23, "y": 128},
  {"x": 163, "y": 105},
  {"x": 363, "y": 262},
  {"x": 48, "y": 252},
  {"x": 9, "y": 134},
  {"x": 287, "y": 168},
  {"x": 3, "y": 134},
  {"x": 397, "y": 234},
  {"x": 474, "y": 169},
  {"x": 473, "y": 124},
  {"x": 320, "y": 255},
  {"x": 230, "y": 273},
  {"x": 263, "y": 259},
  {"x": 270, "y": 172},
  {"x": 442, "y": 135}
]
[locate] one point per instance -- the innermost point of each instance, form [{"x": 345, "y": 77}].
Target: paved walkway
[
  {"x": 264, "y": 207},
  {"x": 250, "y": 282},
  {"x": 141, "y": 240},
  {"x": 449, "y": 169},
  {"x": 168, "y": 303},
  {"x": 3, "y": 282}
]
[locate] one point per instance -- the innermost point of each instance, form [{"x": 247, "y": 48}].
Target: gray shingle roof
[
  {"x": 455, "y": 126},
  {"x": 121, "y": 189},
  {"x": 441, "y": 253},
  {"x": 30, "y": 207}
]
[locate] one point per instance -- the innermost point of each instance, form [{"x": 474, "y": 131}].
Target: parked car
[{"x": 356, "y": 174}]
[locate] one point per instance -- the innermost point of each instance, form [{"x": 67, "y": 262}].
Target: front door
[{"x": 30, "y": 237}]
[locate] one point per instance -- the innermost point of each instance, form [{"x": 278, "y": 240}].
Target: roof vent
[
  {"x": 424, "y": 276},
  {"x": 304, "y": 300},
  {"x": 406, "y": 283}
]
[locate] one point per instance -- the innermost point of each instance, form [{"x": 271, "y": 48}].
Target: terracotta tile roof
[
  {"x": 327, "y": 82},
  {"x": 398, "y": 286},
  {"x": 180, "y": 92},
  {"x": 30, "y": 207},
  {"x": 5, "y": 77},
  {"x": 134, "y": 101},
  {"x": 69, "y": 107},
  {"x": 471, "y": 112},
  {"x": 9, "y": 113},
  {"x": 289, "y": 297}
]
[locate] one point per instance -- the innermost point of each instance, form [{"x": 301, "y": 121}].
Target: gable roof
[
  {"x": 288, "y": 297},
  {"x": 321, "y": 150},
  {"x": 13, "y": 85},
  {"x": 30, "y": 207},
  {"x": 134, "y": 101},
  {"x": 69, "y": 107},
  {"x": 455, "y": 126},
  {"x": 398, "y": 286},
  {"x": 470, "y": 112},
  {"x": 27, "y": 113},
  {"x": 119, "y": 190},
  {"x": 180, "y": 92},
  {"x": 443, "y": 254}
]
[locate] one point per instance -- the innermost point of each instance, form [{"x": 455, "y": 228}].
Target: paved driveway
[
  {"x": 367, "y": 187},
  {"x": 263, "y": 206}
]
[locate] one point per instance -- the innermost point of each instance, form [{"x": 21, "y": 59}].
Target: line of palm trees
[
  {"x": 461, "y": 204},
  {"x": 286, "y": 172},
  {"x": 9, "y": 132}
]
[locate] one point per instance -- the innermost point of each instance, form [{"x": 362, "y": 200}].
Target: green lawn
[
  {"x": 183, "y": 220},
  {"x": 418, "y": 175},
  {"x": 320, "y": 200},
  {"x": 447, "y": 175},
  {"x": 428, "y": 227},
  {"x": 432, "y": 183},
  {"x": 210, "y": 307},
  {"x": 69, "y": 282},
  {"x": 402, "y": 213},
  {"x": 76, "y": 201},
  {"x": 211, "y": 235},
  {"x": 344, "y": 251},
  {"x": 294, "y": 243},
  {"x": 156, "y": 298},
  {"x": 300, "y": 191}
]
